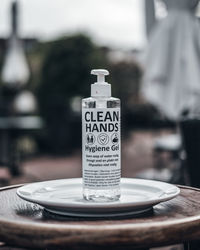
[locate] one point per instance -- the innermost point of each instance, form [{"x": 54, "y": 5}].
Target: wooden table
[{"x": 25, "y": 224}]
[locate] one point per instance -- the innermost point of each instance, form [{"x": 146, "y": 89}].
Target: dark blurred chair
[
  {"x": 190, "y": 128},
  {"x": 168, "y": 160},
  {"x": 11, "y": 128}
]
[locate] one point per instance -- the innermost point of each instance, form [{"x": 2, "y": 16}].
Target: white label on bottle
[{"x": 101, "y": 148}]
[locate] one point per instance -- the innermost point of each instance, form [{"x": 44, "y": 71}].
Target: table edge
[
  {"x": 129, "y": 231},
  {"x": 101, "y": 227}
]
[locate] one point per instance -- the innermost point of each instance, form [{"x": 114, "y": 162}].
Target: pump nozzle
[
  {"x": 100, "y": 88},
  {"x": 101, "y": 73}
]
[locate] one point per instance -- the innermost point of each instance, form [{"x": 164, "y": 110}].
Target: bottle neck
[{"x": 101, "y": 90}]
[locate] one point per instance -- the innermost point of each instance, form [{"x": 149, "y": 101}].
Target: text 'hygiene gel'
[{"x": 101, "y": 142}]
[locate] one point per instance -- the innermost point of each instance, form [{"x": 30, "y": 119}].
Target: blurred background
[{"x": 47, "y": 50}]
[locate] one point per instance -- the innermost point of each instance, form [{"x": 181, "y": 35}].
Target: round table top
[{"x": 28, "y": 225}]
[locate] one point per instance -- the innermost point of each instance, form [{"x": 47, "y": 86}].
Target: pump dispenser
[
  {"x": 101, "y": 142},
  {"x": 100, "y": 88}
]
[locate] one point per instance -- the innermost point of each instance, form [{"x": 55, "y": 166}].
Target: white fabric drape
[{"x": 172, "y": 75}]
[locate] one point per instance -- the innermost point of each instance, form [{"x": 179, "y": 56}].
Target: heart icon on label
[{"x": 103, "y": 139}]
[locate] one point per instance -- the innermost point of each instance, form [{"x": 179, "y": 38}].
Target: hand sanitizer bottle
[{"x": 101, "y": 142}]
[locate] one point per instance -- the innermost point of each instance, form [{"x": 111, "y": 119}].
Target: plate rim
[{"x": 96, "y": 205}]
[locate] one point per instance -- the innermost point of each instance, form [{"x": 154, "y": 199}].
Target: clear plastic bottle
[{"x": 101, "y": 149}]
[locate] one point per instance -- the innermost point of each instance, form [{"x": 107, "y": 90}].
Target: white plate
[{"x": 65, "y": 197}]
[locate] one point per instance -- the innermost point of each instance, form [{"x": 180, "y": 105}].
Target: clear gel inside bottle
[{"x": 111, "y": 193}]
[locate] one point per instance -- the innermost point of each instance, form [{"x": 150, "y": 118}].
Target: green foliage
[
  {"x": 65, "y": 74},
  {"x": 66, "y": 68},
  {"x": 126, "y": 78}
]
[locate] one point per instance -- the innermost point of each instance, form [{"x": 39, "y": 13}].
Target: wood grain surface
[{"x": 25, "y": 224}]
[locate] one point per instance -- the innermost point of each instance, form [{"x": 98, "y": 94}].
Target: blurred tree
[
  {"x": 126, "y": 78},
  {"x": 66, "y": 74},
  {"x": 61, "y": 77},
  {"x": 136, "y": 112}
]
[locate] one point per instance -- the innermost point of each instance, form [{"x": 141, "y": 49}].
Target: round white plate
[{"x": 65, "y": 197}]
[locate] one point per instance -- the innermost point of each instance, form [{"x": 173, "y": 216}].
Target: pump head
[
  {"x": 101, "y": 73},
  {"x": 100, "y": 88}
]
